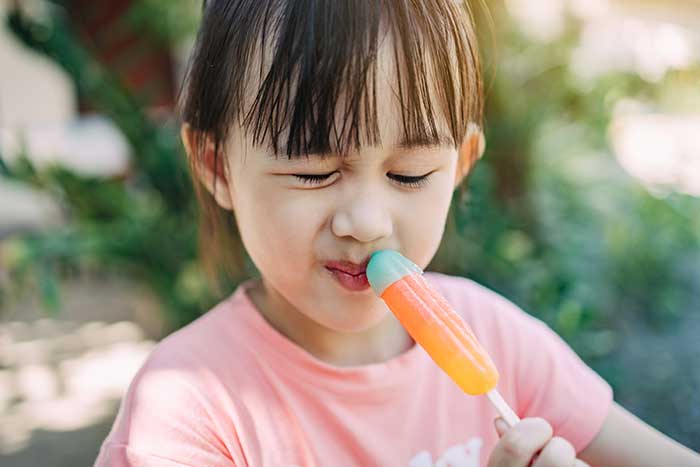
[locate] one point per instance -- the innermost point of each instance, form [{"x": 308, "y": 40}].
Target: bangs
[{"x": 300, "y": 77}]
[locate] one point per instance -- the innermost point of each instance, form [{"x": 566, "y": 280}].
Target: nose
[{"x": 363, "y": 217}]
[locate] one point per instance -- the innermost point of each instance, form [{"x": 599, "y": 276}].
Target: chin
[{"x": 354, "y": 321}]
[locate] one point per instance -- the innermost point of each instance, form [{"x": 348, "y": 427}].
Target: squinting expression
[{"x": 295, "y": 216}]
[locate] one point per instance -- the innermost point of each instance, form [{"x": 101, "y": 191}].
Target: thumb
[{"x": 501, "y": 426}]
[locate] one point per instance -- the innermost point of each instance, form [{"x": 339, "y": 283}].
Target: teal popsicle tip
[{"x": 386, "y": 267}]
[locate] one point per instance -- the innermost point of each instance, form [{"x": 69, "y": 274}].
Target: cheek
[
  {"x": 424, "y": 223},
  {"x": 277, "y": 228}
]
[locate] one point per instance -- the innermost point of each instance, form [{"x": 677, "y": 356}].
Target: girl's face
[{"x": 298, "y": 216}]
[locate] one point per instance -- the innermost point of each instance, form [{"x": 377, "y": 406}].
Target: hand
[{"x": 530, "y": 443}]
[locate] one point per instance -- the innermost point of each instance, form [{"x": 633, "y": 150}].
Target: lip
[
  {"x": 348, "y": 267},
  {"x": 353, "y": 283},
  {"x": 351, "y": 276}
]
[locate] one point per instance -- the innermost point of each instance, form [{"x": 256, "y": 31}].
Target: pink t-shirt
[{"x": 229, "y": 390}]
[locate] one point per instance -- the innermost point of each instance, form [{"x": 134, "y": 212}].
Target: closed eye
[
  {"x": 407, "y": 180},
  {"x": 412, "y": 181},
  {"x": 313, "y": 179}
]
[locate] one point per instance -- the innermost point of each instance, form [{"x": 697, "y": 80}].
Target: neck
[{"x": 380, "y": 343}]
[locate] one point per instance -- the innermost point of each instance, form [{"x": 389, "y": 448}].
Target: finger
[
  {"x": 580, "y": 463},
  {"x": 558, "y": 452},
  {"x": 520, "y": 443},
  {"x": 501, "y": 426}
]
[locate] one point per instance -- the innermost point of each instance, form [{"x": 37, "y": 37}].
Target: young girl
[{"x": 320, "y": 131}]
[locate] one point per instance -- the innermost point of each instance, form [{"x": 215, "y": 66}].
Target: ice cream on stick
[{"x": 435, "y": 326}]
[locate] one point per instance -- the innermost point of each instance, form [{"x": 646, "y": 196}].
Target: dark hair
[{"x": 316, "y": 58}]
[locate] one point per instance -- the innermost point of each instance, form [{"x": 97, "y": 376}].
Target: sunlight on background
[
  {"x": 71, "y": 144},
  {"x": 649, "y": 48},
  {"x": 61, "y": 376},
  {"x": 661, "y": 150}
]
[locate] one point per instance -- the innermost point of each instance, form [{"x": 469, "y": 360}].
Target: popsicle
[{"x": 434, "y": 325}]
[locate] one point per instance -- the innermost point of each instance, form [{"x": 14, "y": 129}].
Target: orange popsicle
[{"x": 434, "y": 325}]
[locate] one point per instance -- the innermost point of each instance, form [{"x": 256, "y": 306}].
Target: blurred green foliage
[
  {"x": 143, "y": 225},
  {"x": 550, "y": 220},
  {"x": 165, "y": 21}
]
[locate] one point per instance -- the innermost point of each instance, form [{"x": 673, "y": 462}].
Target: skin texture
[{"x": 291, "y": 228}]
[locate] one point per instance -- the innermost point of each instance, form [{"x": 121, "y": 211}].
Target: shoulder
[
  {"x": 185, "y": 348},
  {"x": 502, "y": 328},
  {"x": 477, "y": 304},
  {"x": 179, "y": 393},
  {"x": 460, "y": 289},
  {"x": 192, "y": 364},
  {"x": 206, "y": 342},
  {"x": 180, "y": 364}
]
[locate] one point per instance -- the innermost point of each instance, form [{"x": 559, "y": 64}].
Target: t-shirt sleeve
[
  {"x": 163, "y": 421},
  {"x": 553, "y": 383}
]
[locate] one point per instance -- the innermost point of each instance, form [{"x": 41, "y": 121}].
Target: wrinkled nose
[{"x": 363, "y": 217}]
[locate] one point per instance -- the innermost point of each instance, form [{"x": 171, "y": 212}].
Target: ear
[
  {"x": 469, "y": 152},
  {"x": 209, "y": 170}
]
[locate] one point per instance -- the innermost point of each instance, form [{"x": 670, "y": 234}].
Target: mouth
[
  {"x": 348, "y": 267},
  {"x": 349, "y": 275}
]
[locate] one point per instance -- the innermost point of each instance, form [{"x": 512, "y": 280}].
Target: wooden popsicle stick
[{"x": 502, "y": 407}]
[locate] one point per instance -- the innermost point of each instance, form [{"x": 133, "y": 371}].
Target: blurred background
[{"x": 585, "y": 210}]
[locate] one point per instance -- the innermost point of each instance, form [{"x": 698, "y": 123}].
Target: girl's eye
[
  {"x": 313, "y": 179},
  {"x": 411, "y": 181}
]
